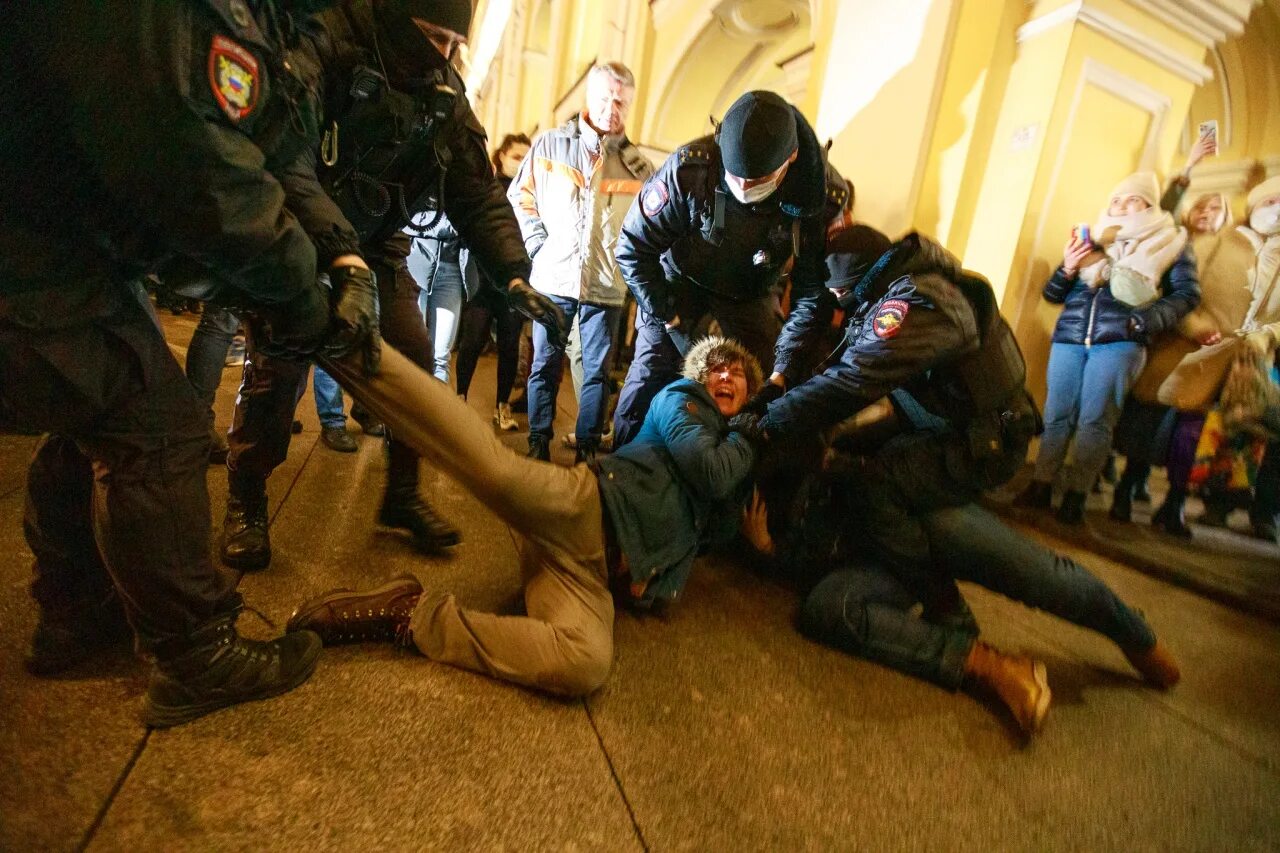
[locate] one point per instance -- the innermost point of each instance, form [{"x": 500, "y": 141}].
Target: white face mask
[
  {"x": 1265, "y": 219},
  {"x": 756, "y": 194}
]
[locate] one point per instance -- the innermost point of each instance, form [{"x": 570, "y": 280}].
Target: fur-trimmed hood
[{"x": 715, "y": 350}]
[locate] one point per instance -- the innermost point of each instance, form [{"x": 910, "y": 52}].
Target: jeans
[
  {"x": 328, "y": 400},
  {"x": 207, "y": 352},
  {"x": 595, "y": 323},
  {"x": 866, "y": 610},
  {"x": 441, "y": 307},
  {"x": 1087, "y": 387},
  {"x": 487, "y": 308}
]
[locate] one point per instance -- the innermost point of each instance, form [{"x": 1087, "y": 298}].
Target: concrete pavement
[{"x": 720, "y": 728}]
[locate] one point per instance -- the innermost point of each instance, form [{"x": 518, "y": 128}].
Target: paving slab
[{"x": 63, "y": 742}]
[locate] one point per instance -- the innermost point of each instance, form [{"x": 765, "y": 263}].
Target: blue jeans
[
  {"x": 328, "y": 399},
  {"x": 866, "y": 610},
  {"x": 1087, "y": 387},
  {"x": 595, "y": 327},
  {"x": 207, "y": 352},
  {"x": 441, "y": 309}
]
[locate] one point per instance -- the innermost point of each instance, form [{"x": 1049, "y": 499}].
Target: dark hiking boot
[
  {"x": 1019, "y": 682},
  {"x": 337, "y": 438},
  {"x": 1071, "y": 510},
  {"x": 246, "y": 545},
  {"x": 1169, "y": 517},
  {"x": 1121, "y": 506},
  {"x": 368, "y": 421},
  {"x": 216, "y": 668},
  {"x": 345, "y": 616},
  {"x": 539, "y": 448},
  {"x": 1036, "y": 495},
  {"x": 587, "y": 452},
  {"x": 408, "y": 511},
  {"x": 64, "y": 640}
]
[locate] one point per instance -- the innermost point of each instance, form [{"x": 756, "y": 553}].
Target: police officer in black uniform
[
  {"x": 140, "y": 136},
  {"x": 929, "y": 337},
  {"x": 399, "y": 137},
  {"x": 714, "y": 231}
]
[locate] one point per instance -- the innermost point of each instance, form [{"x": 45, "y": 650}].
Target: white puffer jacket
[{"x": 570, "y": 201}]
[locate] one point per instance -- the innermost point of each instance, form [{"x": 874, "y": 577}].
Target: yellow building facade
[{"x": 995, "y": 125}]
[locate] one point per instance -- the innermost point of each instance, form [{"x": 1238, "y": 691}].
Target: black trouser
[
  {"x": 754, "y": 323},
  {"x": 1266, "y": 495},
  {"x": 119, "y": 486},
  {"x": 271, "y": 387},
  {"x": 486, "y": 308}
]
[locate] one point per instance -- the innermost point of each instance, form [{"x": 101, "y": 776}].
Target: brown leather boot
[
  {"x": 345, "y": 616},
  {"x": 1018, "y": 681},
  {"x": 1156, "y": 664}
]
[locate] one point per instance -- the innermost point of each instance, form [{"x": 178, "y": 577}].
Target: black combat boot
[
  {"x": 539, "y": 448},
  {"x": 404, "y": 509},
  {"x": 66, "y": 638},
  {"x": 1071, "y": 510},
  {"x": 1122, "y": 502},
  {"x": 246, "y": 545},
  {"x": 215, "y": 668},
  {"x": 1169, "y": 517}
]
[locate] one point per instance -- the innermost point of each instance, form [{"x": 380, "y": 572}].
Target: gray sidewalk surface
[{"x": 720, "y": 728}]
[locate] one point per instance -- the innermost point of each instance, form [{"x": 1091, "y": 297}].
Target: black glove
[
  {"x": 540, "y": 309},
  {"x": 759, "y": 404},
  {"x": 354, "y": 326},
  {"x": 748, "y": 425},
  {"x": 296, "y": 329}
]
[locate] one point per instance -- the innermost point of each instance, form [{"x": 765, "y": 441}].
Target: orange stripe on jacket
[
  {"x": 621, "y": 185},
  {"x": 555, "y": 167}
]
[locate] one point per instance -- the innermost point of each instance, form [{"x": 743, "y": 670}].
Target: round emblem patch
[
  {"x": 654, "y": 198},
  {"x": 233, "y": 76},
  {"x": 888, "y": 320}
]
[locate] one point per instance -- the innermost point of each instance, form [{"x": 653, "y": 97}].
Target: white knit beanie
[
  {"x": 1142, "y": 184},
  {"x": 1266, "y": 189}
]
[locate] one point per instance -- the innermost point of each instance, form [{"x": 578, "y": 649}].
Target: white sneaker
[{"x": 502, "y": 418}]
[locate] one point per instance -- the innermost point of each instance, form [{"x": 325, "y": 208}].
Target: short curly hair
[{"x": 714, "y": 351}]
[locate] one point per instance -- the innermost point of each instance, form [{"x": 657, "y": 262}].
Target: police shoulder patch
[
  {"x": 694, "y": 154},
  {"x": 889, "y": 318},
  {"x": 654, "y": 198},
  {"x": 233, "y": 77}
]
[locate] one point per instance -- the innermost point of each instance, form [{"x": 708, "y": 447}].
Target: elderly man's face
[
  {"x": 608, "y": 102},
  {"x": 727, "y": 384}
]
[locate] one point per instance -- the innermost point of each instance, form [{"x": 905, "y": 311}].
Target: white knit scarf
[{"x": 1137, "y": 249}]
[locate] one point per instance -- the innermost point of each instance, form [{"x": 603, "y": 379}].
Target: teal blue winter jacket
[{"x": 676, "y": 489}]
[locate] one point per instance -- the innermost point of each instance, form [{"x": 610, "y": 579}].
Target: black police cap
[
  {"x": 851, "y": 253},
  {"x": 757, "y": 135}
]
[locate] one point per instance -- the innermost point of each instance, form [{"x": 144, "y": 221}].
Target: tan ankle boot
[
  {"x": 1156, "y": 664},
  {"x": 1019, "y": 682}
]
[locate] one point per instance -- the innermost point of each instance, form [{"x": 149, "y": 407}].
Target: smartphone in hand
[
  {"x": 1081, "y": 233},
  {"x": 1209, "y": 132}
]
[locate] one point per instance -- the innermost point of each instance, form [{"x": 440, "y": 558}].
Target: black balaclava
[
  {"x": 405, "y": 48},
  {"x": 851, "y": 253},
  {"x": 757, "y": 135}
]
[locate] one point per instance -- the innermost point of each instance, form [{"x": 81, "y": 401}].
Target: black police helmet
[
  {"x": 851, "y": 252},
  {"x": 757, "y": 135}
]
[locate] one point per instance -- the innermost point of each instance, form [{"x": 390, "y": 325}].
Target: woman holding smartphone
[{"x": 1134, "y": 278}]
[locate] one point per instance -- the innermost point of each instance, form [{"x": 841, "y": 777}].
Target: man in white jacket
[{"x": 570, "y": 196}]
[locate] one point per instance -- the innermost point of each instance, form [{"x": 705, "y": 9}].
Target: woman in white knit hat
[
  {"x": 1240, "y": 271},
  {"x": 1132, "y": 281}
]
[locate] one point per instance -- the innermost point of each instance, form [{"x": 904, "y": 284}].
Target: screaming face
[{"x": 727, "y": 384}]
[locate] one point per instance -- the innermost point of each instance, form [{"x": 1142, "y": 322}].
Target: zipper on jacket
[{"x": 1093, "y": 310}]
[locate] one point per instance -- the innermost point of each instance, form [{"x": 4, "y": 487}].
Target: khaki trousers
[{"x": 565, "y": 643}]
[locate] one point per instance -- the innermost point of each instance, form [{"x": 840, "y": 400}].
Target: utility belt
[{"x": 997, "y": 440}]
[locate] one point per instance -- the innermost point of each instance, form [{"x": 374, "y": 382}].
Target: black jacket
[
  {"x": 672, "y": 233},
  {"x": 1094, "y": 316},
  {"x": 389, "y": 161},
  {"x": 140, "y": 133}
]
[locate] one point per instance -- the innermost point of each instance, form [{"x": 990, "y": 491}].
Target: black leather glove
[
  {"x": 540, "y": 309},
  {"x": 748, "y": 425},
  {"x": 354, "y": 327},
  {"x": 296, "y": 329},
  {"x": 759, "y": 404}
]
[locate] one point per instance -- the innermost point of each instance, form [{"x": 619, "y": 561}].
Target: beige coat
[{"x": 1238, "y": 296}]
